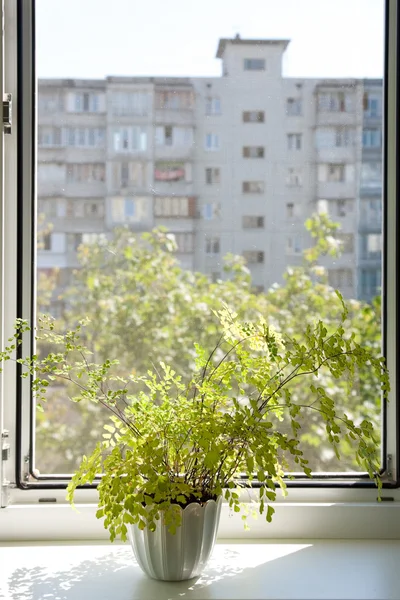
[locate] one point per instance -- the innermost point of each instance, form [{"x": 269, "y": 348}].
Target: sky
[{"x": 96, "y": 38}]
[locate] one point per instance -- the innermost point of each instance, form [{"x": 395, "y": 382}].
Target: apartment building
[{"x": 228, "y": 164}]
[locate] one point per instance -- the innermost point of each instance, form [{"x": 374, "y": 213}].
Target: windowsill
[{"x": 315, "y": 569}]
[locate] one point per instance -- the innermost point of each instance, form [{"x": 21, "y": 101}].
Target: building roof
[{"x": 239, "y": 41}]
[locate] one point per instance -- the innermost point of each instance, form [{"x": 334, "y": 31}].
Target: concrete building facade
[{"x": 228, "y": 164}]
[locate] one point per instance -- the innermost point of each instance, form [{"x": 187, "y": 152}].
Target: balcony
[
  {"x": 342, "y": 154},
  {"x": 336, "y": 189},
  {"x": 169, "y": 116}
]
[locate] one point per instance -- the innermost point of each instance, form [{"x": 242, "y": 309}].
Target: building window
[
  {"x": 46, "y": 242},
  {"x": 293, "y": 245},
  {"x": 208, "y": 211},
  {"x": 174, "y": 100},
  {"x": 253, "y": 256},
  {"x": 340, "y": 278},
  {"x": 371, "y": 174},
  {"x": 86, "y": 102},
  {"x": 254, "y": 64},
  {"x": 253, "y": 187},
  {"x": 213, "y": 175},
  {"x": 87, "y": 137},
  {"x": 213, "y": 106},
  {"x": 130, "y": 103},
  {"x": 185, "y": 242},
  {"x": 130, "y": 210},
  {"x": 371, "y": 213},
  {"x": 371, "y": 283},
  {"x": 173, "y": 171},
  {"x": 372, "y": 138},
  {"x": 343, "y": 137},
  {"x": 371, "y": 246},
  {"x": 253, "y": 116},
  {"x": 212, "y": 245},
  {"x": 250, "y": 222},
  {"x": 94, "y": 209},
  {"x": 335, "y": 102},
  {"x": 130, "y": 139},
  {"x": 49, "y": 137},
  {"x": 372, "y": 105},
  {"x": 346, "y": 242},
  {"x": 174, "y": 136},
  {"x": 294, "y": 107},
  {"x": 253, "y": 152},
  {"x": 212, "y": 141},
  {"x": 74, "y": 240},
  {"x": 335, "y": 172},
  {"x": 84, "y": 172},
  {"x": 294, "y": 178},
  {"x": 294, "y": 141},
  {"x": 174, "y": 206},
  {"x": 49, "y": 103}
]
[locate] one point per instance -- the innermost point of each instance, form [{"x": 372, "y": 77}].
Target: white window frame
[{"x": 336, "y": 512}]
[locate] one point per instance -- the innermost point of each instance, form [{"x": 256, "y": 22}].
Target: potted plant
[{"x": 172, "y": 450}]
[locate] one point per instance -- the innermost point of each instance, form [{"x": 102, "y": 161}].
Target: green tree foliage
[{"x": 144, "y": 308}]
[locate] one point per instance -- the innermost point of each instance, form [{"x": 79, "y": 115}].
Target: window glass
[{"x": 158, "y": 158}]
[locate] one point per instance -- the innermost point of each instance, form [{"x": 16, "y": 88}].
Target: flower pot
[{"x": 177, "y": 557}]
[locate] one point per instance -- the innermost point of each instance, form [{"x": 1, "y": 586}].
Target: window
[
  {"x": 173, "y": 171},
  {"x": 46, "y": 243},
  {"x": 253, "y": 116},
  {"x": 335, "y": 172},
  {"x": 50, "y": 102},
  {"x": 130, "y": 139},
  {"x": 85, "y": 172},
  {"x": 128, "y": 174},
  {"x": 371, "y": 212},
  {"x": 50, "y": 173},
  {"x": 185, "y": 242},
  {"x": 293, "y": 245},
  {"x": 213, "y": 175},
  {"x": 340, "y": 278},
  {"x": 174, "y": 136},
  {"x": 371, "y": 283},
  {"x": 213, "y": 105},
  {"x": 293, "y": 210},
  {"x": 346, "y": 242},
  {"x": 334, "y": 137},
  {"x": 86, "y": 137},
  {"x": 299, "y": 170},
  {"x": 86, "y": 102},
  {"x": 253, "y": 256},
  {"x": 335, "y": 101},
  {"x": 372, "y": 138},
  {"x": 74, "y": 240},
  {"x": 371, "y": 246},
  {"x": 372, "y": 105},
  {"x": 254, "y": 64},
  {"x": 250, "y": 222},
  {"x": 208, "y": 211},
  {"x": 212, "y": 245},
  {"x": 174, "y": 206},
  {"x": 212, "y": 141},
  {"x": 130, "y": 209},
  {"x": 371, "y": 174},
  {"x": 294, "y": 141},
  {"x": 294, "y": 107},
  {"x": 174, "y": 100},
  {"x": 253, "y": 187},
  {"x": 294, "y": 177},
  {"x": 50, "y": 136},
  {"x": 253, "y": 152},
  {"x": 130, "y": 103}
]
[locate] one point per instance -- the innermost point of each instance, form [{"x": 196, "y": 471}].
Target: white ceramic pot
[{"x": 180, "y": 556}]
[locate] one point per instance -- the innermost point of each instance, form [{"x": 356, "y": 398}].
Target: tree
[{"x": 144, "y": 308}]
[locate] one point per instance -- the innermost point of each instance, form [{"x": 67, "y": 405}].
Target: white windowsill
[{"x": 306, "y": 569}]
